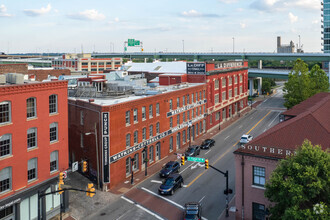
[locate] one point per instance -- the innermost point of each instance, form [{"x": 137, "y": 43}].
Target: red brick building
[
  {"x": 256, "y": 160},
  {"x": 14, "y": 68},
  {"x": 33, "y": 146},
  {"x": 42, "y": 74}
]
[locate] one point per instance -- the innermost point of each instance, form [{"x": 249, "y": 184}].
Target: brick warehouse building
[
  {"x": 256, "y": 160},
  {"x": 33, "y": 146},
  {"x": 124, "y": 126}
]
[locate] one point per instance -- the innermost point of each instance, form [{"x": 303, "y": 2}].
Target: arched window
[
  {"x": 5, "y": 179},
  {"x": 151, "y": 154},
  {"x": 5, "y": 145},
  {"x": 53, "y": 132},
  {"x": 31, "y": 110},
  {"x": 32, "y": 172},
  {"x": 53, "y": 161},
  {"x": 136, "y": 162},
  {"x": 128, "y": 140},
  {"x": 128, "y": 166},
  {"x": 136, "y": 137},
  {"x": 32, "y": 138},
  {"x": 52, "y": 104},
  {"x": 5, "y": 112}
]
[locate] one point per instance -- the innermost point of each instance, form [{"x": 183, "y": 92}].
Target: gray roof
[{"x": 156, "y": 67}]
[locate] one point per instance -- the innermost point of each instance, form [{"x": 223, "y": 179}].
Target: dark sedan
[
  {"x": 207, "y": 144},
  {"x": 170, "y": 167},
  {"x": 170, "y": 184},
  {"x": 192, "y": 151}
]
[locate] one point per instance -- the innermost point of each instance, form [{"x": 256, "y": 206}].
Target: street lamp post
[
  {"x": 189, "y": 127},
  {"x": 145, "y": 150},
  {"x": 132, "y": 178},
  {"x": 97, "y": 155}
]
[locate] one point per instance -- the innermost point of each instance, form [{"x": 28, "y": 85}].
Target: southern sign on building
[
  {"x": 270, "y": 150},
  {"x": 105, "y": 147},
  {"x": 196, "y": 68}
]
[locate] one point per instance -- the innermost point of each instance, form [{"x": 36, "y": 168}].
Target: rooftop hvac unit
[{"x": 2, "y": 79}]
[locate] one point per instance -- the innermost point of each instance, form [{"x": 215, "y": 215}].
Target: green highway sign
[
  {"x": 250, "y": 98},
  {"x": 133, "y": 42},
  {"x": 196, "y": 159}
]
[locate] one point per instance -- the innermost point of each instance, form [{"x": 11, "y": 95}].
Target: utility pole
[{"x": 233, "y": 45}]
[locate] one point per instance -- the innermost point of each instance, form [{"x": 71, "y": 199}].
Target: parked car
[
  {"x": 207, "y": 144},
  {"x": 170, "y": 167},
  {"x": 192, "y": 151},
  {"x": 245, "y": 139},
  {"x": 170, "y": 184},
  {"x": 192, "y": 211}
]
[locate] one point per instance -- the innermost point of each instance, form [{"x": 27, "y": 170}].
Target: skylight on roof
[{"x": 158, "y": 67}]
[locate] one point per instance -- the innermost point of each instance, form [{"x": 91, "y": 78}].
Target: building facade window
[
  {"x": 259, "y": 175},
  {"x": 136, "y": 162},
  {"x": 5, "y": 179},
  {"x": 211, "y": 116},
  {"x": 178, "y": 119},
  {"x": 128, "y": 117},
  {"x": 216, "y": 98},
  {"x": 235, "y": 79},
  {"x": 183, "y": 100},
  {"x": 143, "y": 113},
  {"x": 5, "y": 145},
  {"x": 128, "y": 140},
  {"x": 240, "y": 90},
  {"x": 171, "y": 122},
  {"x": 224, "y": 82},
  {"x": 151, "y": 130},
  {"x": 53, "y": 132},
  {"x": 217, "y": 116},
  {"x": 171, "y": 143},
  {"x": 258, "y": 211},
  {"x": 157, "y": 128},
  {"x": 32, "y": 138},
  {"x": 184, "y": 137},
  {"x": 224, "y": 114},
  {"x": 157, "y": 108},
  {"x": 240, "y": 78},
  {"x": 192, "y": 98},
  {"x": 81, "y": 117},
  {"x": 203, "y": 94},
  {"x": 136, "y": 137},
  {"x": 31, "y": 110},
  {"x": 151, "y": 154},
  {"x": 188, "y": 115},
  {"x": 5, "y": 112},
  {"x": 193, "y": 113},
  {"x": 224, "y": 96},
  {"x": 82, "y": 140},
  {"x": 230, "y": 94},
  {"x": 52, "y": 104},
  {"x": 128, "y": 166},
  {"x": 151, "y": 114},
  {"x": 200, "y": 127},
  {"x": 54, "y": 161},
  {"x": 184, "y": 117},
  {"x": 230, "y": 82},
  {"x": 188, "y": 99},
  {"x": 135, "y": 115},
  {"x": 196, "y": 97},
  {"x": 144, "y": 133},
  {"x": 178, "y": 102},
  {"x": 32, "y": 172},
  {"x": 171, "y": 104}
]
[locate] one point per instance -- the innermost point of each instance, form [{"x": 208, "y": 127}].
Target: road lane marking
[
  {"x": 202, "y": 199},
  {"x": 251, "y": 117},
  {"x": 227, "y": 137},
  {"x": 141, "y": 207},
  {"x": 156, "y": 181},
  {"x": 265, "y": 100},
  {"x": 207, "y": 151},
  {"x": 166, "y": 199},
  {"x": 187, "y": 167},
  {"x": 227, "y": 151},
  {"x": 265, "y": 129},
  {"x": 240, "y": 126},
  {"x": 274, "y": 119}
]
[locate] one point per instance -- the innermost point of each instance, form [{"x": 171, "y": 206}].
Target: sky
[{"x": 41, "y": 26}]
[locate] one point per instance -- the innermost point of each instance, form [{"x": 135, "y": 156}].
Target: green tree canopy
[
  {"x": 299, "y": 186},
  {"x": 303, "y": 83}
]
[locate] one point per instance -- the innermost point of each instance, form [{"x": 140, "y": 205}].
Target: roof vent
[{"x": 91, "y": 100}]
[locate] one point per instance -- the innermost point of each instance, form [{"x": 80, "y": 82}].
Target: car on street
[
  {"x": 170, "y": 184},
  {"x": 192, "y": 211},
  {"x": 192, "y": 151},
  {"x": 170, "y": 167},
  {"x": 246, "y": 138},
  {"x": 207, "y": 144}
]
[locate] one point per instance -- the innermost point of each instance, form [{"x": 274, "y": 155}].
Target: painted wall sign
[
  {"x": 271, "y": 150},
  {"x": 105, "y": 147},
  {"x": 187, "y": 107},
  {"x": 10, "y": 204},
  {"x": 228, "y": 65},
  {"x": 105, "y": 122},
  {"x": 196, "y": 68},
  {"x": 152, "y": 140}
]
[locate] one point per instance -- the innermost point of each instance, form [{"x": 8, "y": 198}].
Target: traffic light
[
  {"x": 182, "y": 160},
  {"x": 206, "y": 164},
  {"x": 90, "y": 190},
  {"x": 84, "y": 169},
  {"x": 60, "y": 182}
]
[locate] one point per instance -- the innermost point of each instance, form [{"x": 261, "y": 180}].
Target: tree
[
  {"x": 299, "y": 186},
  {"x": 266, "y": 86},
  {"x": 303, "y": 83}
]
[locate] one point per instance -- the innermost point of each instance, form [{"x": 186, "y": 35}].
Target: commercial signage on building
[
  {"x": 187, "y": 107},
  {"x": 196, "y": 68},
  {"x": 222, "y": 65},
  {"x": 105, "y": 147},
  {"x": 10, "y": 204},
  {"x": 152, "y": 140},
  {"x": 271, "y": 150}
]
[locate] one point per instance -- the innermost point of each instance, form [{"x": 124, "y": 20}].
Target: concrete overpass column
[
  {"x": 251, "y": 86},
  {"x": 259, "y": 85},
  {"x": 260, "y": 64}
]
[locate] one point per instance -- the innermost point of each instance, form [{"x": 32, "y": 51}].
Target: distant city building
[
  {"x": 284, "y": 48},
  {"x": 134, "y": 122},
  {"x": 85, "y": 62},
  {"x": 325, "y": 14},
  {"x": 33, "y": 146},
  {"x": 256, "y": 160}
]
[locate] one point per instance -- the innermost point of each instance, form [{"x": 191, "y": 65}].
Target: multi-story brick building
[
  {"x": 33, "y": 147},
  {"x": 256, "y": 160},
  {"x": 84, "y": 62}
]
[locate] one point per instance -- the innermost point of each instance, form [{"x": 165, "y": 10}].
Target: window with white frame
[
  {"x": 151, "y": 154},
  {"x": 240, "y": 90},
  {"x": 184, "y": 137},
  {"x": 235, "y": 79},
  {"x": 157, "y": 128},
  {"x": 171, "y": 143},
  {"x": 184, "y": 100},
  {"x": 224, "y": 82},
  {"x": 216, "y": 98},
  {"x": 230, "y": 80},
  {"x": 200, "y": 94},
  {"x": 171, "y": 104},
  {"x": 188, "y": 115},
  {"x": 157, "y": 108},
  {"x": 31, "y": 138},
  {"x": 178, "y": 119},
  {"x": 151, "y": 130},
  {"x": 144, "y": 133},
  {"x": 196, "y": 111},
  {"x": 81, "y": 117},
  {"x": 32, "y": 172},
  {"x": 136, "y": 162},
  {"x": 151, "y": 113},
  {"x": 216, "y": 84},
  {"x": 128, "y": 166},
  {"x": 31, "y": 110},
  {"x": 188, "y": 99},
  {"x": 240, "y": 78},
  {"x": 143, "y": 113},
  {"x": 171, "y": 122},
  {"x": 259, "y": 176},
  {"x": 193, "y": 113},
  {"x": 128, "y": 117},
  {"x": 52, "y": 104},
  {"x": 5, "y": 145},
  {"x": 5, "y": 179},
  {"x": 196, "y": 97},
  {"x": 178, "y": 102},
  {"x": 5, "y": 112},
  {"x": 135, "y": 115},
  {"x": 128, "y": 140},
  {"x": 53, "y": 161},
  {"x": 258, "y": 211},
  {"x": 192, "y": 98},
  {"x": 184, "y": 117},
  {"x": 136, "y": 137},
  {"x": 224, "y": 96},
  {"x": 230, "y": 94},
  {"x": 217, "y": 116},
  {"x": 53, "y": 132}
]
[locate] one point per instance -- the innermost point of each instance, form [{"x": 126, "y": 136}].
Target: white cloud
[
  {"x": 3, "y": 11},
  {"x": 243, "y": 25},
  {"x": 38, "y": 12},
  {"x": 315, "y": 22},
  {"x": 116, "y": 19},
  {"x": 228, "y": 1},
  {"x": 91, "y": 14},
  {"x": 293, "y": 18},
  {"x": 280, "y": 5},
  {"x": 196, "y": 14}
]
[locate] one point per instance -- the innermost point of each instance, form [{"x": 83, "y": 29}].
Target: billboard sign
[{"x": 196, "y": 68}]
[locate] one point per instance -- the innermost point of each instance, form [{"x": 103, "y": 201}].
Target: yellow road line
[{"x": 227, "y": 151}]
